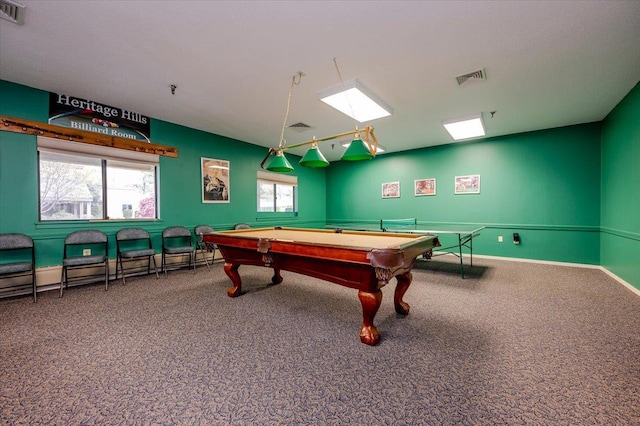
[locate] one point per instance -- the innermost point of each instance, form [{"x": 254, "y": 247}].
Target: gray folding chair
[
  {"x": 17, "y": 263},
  {"x": 203, "y": 247},
  {"x": 241, "y": 226},
  {"x": 176, "y": 241},
  {"x": 134, "y": 244},
  {"x": 74, "y": 257}
]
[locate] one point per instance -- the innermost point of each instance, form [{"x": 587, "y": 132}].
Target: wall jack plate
[{"x": 86, "y": 252}]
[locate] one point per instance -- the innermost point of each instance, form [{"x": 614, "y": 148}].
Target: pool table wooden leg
[
  {"x": 231, "y": 269},
  {"x": 404, "y": 281},
  {"x": 277, "y": 278},
  {"x": 370, "y": 301}
]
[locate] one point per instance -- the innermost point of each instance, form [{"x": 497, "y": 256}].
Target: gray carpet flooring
[{"x": 512, "y": 344}]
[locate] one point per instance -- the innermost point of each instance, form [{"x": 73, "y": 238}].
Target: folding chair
[
  {"x": 176, "y": 241},
  {"x": 203, "y": 247},
  {"x": 17, "y": 262},
  {"x": 75, "y": 258},
  {"x": 134, "y": 244}
]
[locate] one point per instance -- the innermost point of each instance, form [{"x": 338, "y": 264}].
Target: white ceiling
[{"x": 548, "y": 63}]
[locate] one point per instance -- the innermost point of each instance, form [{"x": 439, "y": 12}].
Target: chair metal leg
[
  {"x": 155, "y": 266},
  {"x": 106, "y": 276},
  {"x": 35, "y": 287},
  {"x": 124, "y": 282},
  {"x": 164, "y": 265},
  {"x": 206, "y": 261},
  {"x": 203, "y": 252},
  {"x": 62, "y": 280}
]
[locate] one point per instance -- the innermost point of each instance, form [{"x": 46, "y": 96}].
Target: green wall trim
[
  {"x": 55, "y": 230},
  {"x": 473, "y": 225},
  {"x": 621, "y": 233},
  {"x": 343, "y": 221},
  {"x": 541, "y": 227},
  {"x": 82, "y": 224},
  {"x": 285, "y": 216}
]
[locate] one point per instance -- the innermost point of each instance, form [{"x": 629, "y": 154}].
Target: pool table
[{"x": 365, "y": 261}]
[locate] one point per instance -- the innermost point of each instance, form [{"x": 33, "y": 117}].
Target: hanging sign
[{"x": 90, "y": 116}]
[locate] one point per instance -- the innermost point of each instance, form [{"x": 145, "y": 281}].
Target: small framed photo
[
  {"x": 215, "y": 180},
  {"x": 469, "y": 184},
  {"x": 424, "y": 187},
  {"x": 391, "y": 190}
]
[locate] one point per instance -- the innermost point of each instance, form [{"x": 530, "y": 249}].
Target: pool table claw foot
[
  {"x": 234, "y": 291},
  {"x": 402, "y": 308},
  {"x": 277, "y": 278},
  {"x": 369, "y": 335},
  {"x": 370, "y": 301}
]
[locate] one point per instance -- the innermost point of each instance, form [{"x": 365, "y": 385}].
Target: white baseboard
[
  {"x": 620, "y": 280},
  {"x": 542, "y": 262},
  {"x": 48, "y": 278}
]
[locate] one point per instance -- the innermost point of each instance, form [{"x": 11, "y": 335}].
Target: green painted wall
[
  {"x": 544, "y": 185},
  {"x": 180, "y": 199},
  {"x": 571, "y": 192},
  {"x": 620, "y": 208}
]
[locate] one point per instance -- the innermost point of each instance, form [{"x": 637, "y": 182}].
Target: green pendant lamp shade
[
  {"x": 314, "y": 158},
  {"x": 357, "y": 151},
  {"x": 280, "y": 164}
]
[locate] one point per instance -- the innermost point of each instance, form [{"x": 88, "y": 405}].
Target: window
[
  {"x": 277, "y": 193},
  {"x": 86, "y": 182}
]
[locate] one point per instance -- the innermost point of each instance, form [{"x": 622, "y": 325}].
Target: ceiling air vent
[
  {"x": 471, "y": 76},
  {"x": 12, "y": 11},
  {"x": 300, "y": 127}
]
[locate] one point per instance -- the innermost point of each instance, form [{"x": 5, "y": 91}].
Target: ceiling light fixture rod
[
  {"x": 367, "y": 131},
  {"x": 346, "y": 93},
  {"x": 294, "y": 82},
  {"x": 369, "y": 138}
]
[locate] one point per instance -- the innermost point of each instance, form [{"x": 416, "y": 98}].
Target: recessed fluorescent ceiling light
[
  {"x": 347, "y": 143},
  {"x": 469, "y": 126},
  {"x": 356, "y": 101}
]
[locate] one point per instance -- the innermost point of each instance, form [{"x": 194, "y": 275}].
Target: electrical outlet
[
  {"x": 86, "y": 252},
  {"x": 500, "y": 238}
]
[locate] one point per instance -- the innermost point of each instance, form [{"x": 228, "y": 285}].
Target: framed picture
[
  {"x": 424, "y": 187},
  {"x": 215, "y": 180},
  {"x": 391, "y": 190},
  {"x": 469, "y": 184}
]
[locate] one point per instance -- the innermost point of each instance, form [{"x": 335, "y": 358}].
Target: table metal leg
[{"x": 460, "y": 251}]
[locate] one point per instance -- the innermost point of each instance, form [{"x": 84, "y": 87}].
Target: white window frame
[
  {"x": 51, "y": 145},
  {"x": 276, "y": 179}
]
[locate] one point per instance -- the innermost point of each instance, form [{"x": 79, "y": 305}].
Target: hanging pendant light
[
  {"x": 280, "y": 163},
  {"x": 357, "y": 151},
  {"x": 314, "y": 158}
]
